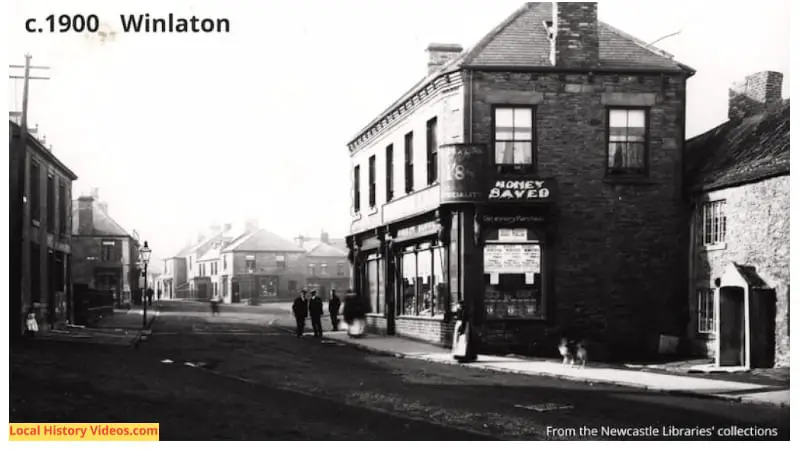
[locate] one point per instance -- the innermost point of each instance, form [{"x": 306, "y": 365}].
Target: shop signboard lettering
[
  {"x": 519, "y": 190},
  {"x": 462, "y": 173},
  {"x": 510, "y": 220},
  {"x": 418, "y": 230}
]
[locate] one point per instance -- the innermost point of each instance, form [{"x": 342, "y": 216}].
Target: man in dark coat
[
  {"x": 149, "y": 296},
  {"x": 315, "y": 310},
  {"x": 333, "y": 308},
  {"x": 300, "y": 310}
]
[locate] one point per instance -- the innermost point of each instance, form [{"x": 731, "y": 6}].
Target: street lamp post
[{"x": 144, "y": 256}]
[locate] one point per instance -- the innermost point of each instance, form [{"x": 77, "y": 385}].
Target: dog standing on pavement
[{"x": 569, "y": 356}]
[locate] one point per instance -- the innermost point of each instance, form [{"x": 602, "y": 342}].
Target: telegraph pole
[{"x": 17, "y": 199}]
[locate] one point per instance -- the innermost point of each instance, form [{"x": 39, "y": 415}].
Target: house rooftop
[
  {"x": 740, "y": 151},
  {"x": 521, "y": 42},
  {"x": 102, "y": 223},
  {"x": 262, "y": 240}
]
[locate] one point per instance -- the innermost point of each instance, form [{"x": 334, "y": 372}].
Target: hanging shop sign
[
  {"x": 522, "y": 190},
  {"x": 463, "y": 174}
]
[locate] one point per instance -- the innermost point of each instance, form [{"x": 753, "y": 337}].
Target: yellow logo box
[{"x": 83, "y": 432}]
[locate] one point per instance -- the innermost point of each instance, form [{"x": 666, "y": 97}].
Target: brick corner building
[
  {"x": 738, "y": 184},
  {"x": 536, "y": 178}
]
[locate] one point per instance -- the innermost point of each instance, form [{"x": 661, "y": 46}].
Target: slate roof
[
  {"x": 739, "y": 151},
  {"x": 262, "y": 241},
  {"x": 324, "y": 250},
  {"x": 211, "y": 255},
  {"x": 102, "y": 223},
  {"x": 521, "y": 42}
]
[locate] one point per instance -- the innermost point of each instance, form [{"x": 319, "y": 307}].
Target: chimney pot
[
  {"x": 441, "y": 54},
  {"x": 95, "y": 193},
  {"x": 85, "y": 215}
]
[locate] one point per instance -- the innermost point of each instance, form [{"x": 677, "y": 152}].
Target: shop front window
[
  {"x": 374, "y": 283},
  {"x": 512, "y": 261},
  {"x": 424, "y": 284}
]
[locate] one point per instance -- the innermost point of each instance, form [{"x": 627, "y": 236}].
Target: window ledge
[
  {"x": 355, "y": 215},
  {"x": 439, "y": 318},
  {"x": 376, "y": 315},
  {"x": 372, "y": 211},
  {"x": 516, "y": 319},
  {"x": 628, "y": 179},
  {"x": 715, "y": 247}
]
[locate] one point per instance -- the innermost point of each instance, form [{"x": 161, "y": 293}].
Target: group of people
[{"x": 312, "y": 307}]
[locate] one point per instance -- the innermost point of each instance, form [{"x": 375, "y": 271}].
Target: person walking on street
[
  {"x": 149, "y": 296},
  {"x": 355, "y": 314},
  {"x": 315, "y": 309},
  {"x": 158, "y": 294},
  {"x": 300, "y": 311},
  {"x": 333, "y": 309},
  {"x": 215, "y": 300}
]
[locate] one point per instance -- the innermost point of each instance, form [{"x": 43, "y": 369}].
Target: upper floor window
[
  {"x": 280, "y": 261},
  {"x": 323, "y": 269},
  {"x": 35, "y": 191},
  {"x": 705, "y": 311},
  {"x": 514, "y": 139},
  {"x": 409, "y": 162},
  {"x": 312, "y": 270},
  {"x": 250, "y": 263},
  {"x": 107, "y": 250},
  {"x": 714, "y": 222},
  {"x": 224, "y": 262},
  {"x": 340, "y": 269},
  {"x": 627, "y": 141},
  {"x": 372, "y": 193},
  {"x": 432, "y": 151},
  {"x": 64, "y": 213},
  {"x": 51, "y": 203},
  {"x": 389, "y": 172},
  {"x": 357, "y": 189}
]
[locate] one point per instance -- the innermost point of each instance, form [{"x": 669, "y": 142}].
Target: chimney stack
[
  {"x": 251, "y": 225},
  {"x": 324, "y": 237},
  {"x": 95, "y": 193},
  {"x": 441, "y": 54},
  {"x": 577, "y": 41},
  {"x": 85, "y": 215},
  {"x": 103, "y": 207},
  {"x": 755, "y": 94},
  {"x": 300, "y": 240}
]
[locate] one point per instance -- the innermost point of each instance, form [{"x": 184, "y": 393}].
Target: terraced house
[
  {"x": 535, "y": 177},
  {"x": 738, "y": 184}
]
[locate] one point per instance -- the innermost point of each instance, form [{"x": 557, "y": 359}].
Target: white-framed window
[
  {"x": 312, "y": 270},
  {"x": 280, "y": 261},
  {"x": 706, "y": 322},
  {"x": 714, "y": 222},
  {"x": 323, "y": 269},
  {"x": 250, "y": 263},
  {"x": 627, "y": 141}
]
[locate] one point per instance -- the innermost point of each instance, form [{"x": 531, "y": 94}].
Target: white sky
[{"x": 178, "y": 131}]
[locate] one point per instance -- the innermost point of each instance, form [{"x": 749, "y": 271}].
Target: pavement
[
  {"x": 123, "y": 328},
  {"x": 243, "y": 375},
  {"x": 657, "y": 382}
]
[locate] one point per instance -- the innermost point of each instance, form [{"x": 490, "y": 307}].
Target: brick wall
[
  {"x": 754, "y": 94},
  {"x": 296, "y": 268},
  {"x": 427, "y": 330},
  {"x": 757, "y": 234},
  {"x": 620, "y": 249}
]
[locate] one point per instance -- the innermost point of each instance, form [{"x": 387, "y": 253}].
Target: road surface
[{"x": 245, "y": 376}]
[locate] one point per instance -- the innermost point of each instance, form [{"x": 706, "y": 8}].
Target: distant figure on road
[
  {"x": 333, "y": 309},
  {"x": 158, "y": 293},
  {"x": 215, "y": 300},
  {"x": 31, "y": 325},
  {"x": 315, "y": 309},
  {"x": 300, "y": 311},
  {"x": 149, "y": 296}
]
